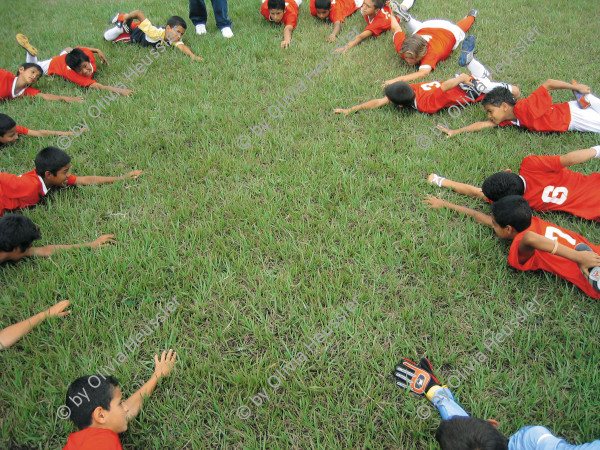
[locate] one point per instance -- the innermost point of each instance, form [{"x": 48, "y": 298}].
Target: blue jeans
[{"x": 198, "y": 13}]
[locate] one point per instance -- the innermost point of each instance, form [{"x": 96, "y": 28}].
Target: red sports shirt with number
[
  {"x": 381, "y": 22},
  {"x": 290, "y": 15},
  {"x": 561, "y": 267},
  {"x": 430, "y": 98},
  {"x": 7, "y": 82},
  {"x": 552, "y": 187},
  {"x": 58, "y": 66},
  {"x": 340, "y": 9},
  {"x": 440, "y": 43},
  {"x": 538, "y": 113}
]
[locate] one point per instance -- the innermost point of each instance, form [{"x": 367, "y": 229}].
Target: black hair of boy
[
  {"x": 322, "y": 4},
  {"x": 50, "y": 159},
  {"x": 29, "y": 66},
  {"x": 99, "y": 389},
  {"x": 17, "y": 231},
  {"x": 502, "y": 184},
  {"x": 512, "y": 210},
  {"x": 469, "y": 433},
  {"x": 6, "y": 123},
  {"x": 400, "y": 93},
  {"x": 497, "y": 96},
  {"x": 378, "y": 4},
  {"x": 278, "y": 5},
  {"x": 176, "y": 21},
  {"x": 75, "y": 58}
]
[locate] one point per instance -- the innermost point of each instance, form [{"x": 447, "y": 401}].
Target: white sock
[
  {"x": 594, "y": 102},
  {"x": 408, "y": 4},
  {"x": 477, "y": 69},
  {"x": 29, "y": 58},
  {"x": 113, "y": 33}
]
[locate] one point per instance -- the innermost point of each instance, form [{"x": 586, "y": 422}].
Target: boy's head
[
  {"x": 17, "y": 234},
  {"x": 276, "y": 10},
  {"x": 29, "y": 73},
  {"x": 8, "y": 130},
  {"x": 400, "y": 93},
  {"x": 502, "y": 184},
  {"x": 510, "y": 216},
  {"x": 413, "y": 49},
  {"x": 371, "y": 7},
  {"x": 499, "y": 104},
  {"x": 323, "y": 8},
  {"x": 105, "y": 407},
  {"x": 175, "y": 29},
  {"x": 53, "y": 165},
  {"x": 469, "y": 433},
  {"x": 78, "y": 61}
]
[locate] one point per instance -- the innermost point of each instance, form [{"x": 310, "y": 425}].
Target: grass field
[{"x": 263, "y": 245}]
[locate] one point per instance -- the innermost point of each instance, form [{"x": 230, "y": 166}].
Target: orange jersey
[
  {"x": 551, "y": 187},
  {"x": 58, "y": 66},
  {"x": 93, "y": 439},
  {"x": 559, "y": 266},
  {"x": 381, "y": 22},
  {"x": 290, "y": 15},
  {"x": 440, "y": 43},
  {"x": 340, "y": 9},
  {"x": 430, "y": 98},
  {"x": 7, "y": 86},
  {"x": 537, "y": 113},
  {"x": 22, "y": 130}
]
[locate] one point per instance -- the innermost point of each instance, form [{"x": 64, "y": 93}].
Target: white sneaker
[
  {"x": 201, "y": 28},
  {"x": 227, "y": 32}
]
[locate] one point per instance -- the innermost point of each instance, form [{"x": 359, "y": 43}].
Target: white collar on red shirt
[
  {"x": 44, "y": 188},
  {"x": 524, "y": 183},
  {"x": 14, "y": 87}
]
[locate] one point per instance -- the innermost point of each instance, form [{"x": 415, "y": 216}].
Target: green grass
[{"x": 263, "y": 245}]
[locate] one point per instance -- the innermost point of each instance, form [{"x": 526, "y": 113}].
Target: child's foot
[
  {"x": 473, "y": 13},
  {"x": 24, "y": 42},
  {"x": 226, "y": 32},
  {"x": 468, "y": 48},
  {"x": 594, "y": 277},
  {"x": 201, "y": 28},
  {"x": 399, "y": 12},
  {"x": 583, "y": 103}
]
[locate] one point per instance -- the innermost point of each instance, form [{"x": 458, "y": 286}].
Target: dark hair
[
  {"x": 512, "y": 210},
  {"x": 75, "y": 58},
  {"x": 469, "y": 433},
  {"x": 276, "y": 4},
  {"x": 6, "y": 123},
  {"x": 29, "y": 66},
  {"x": 414, "y": 46},
  {"x": 50, "y": 159},
  {"x": 400, "y": 93},
  {"x": 502, "y": 184},
  {"x": 99, "y": 389},
  {"x": 497, "y": 96},
  {"x": 17, "y": 231},
  {"x": 323, "y": 4},
  {"x": 176, "y": 21},
  {"x": 378, "y": 4}
]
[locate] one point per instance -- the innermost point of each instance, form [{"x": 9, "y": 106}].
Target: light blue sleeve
[
  {"x": 444, "y": 401},
  {"x": 540, "y": 438}
]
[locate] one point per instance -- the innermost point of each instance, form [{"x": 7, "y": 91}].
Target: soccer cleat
[
  {"x": 581, "y": 101},
  {"x": 24, "y": 42},
  {"x": 594, "y": 277},
  {"x": 127, "y": 26},
  {"x": 473, "y": 13},
  {"x": 117, "y": 20},
  {"x": 467, "y": 51},
  {"x": 399, "y": 12}
]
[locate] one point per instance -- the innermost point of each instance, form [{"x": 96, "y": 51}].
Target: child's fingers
[{"x": 64, "y": 313}]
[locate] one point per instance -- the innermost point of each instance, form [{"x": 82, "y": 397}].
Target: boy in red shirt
[
  {"x": 12, "y": 86},
  {"x": 74, "y": 64},
  {"x": 10, "y": 131},
  {"x": 97, "y": 408},
  {"x": 429, "y": 42},
  {"x": 537, "y": 244},
  {"x": 52, "y": 170},
  {"x": 334, "y": 10},
  {"x": 285, "y": 12},
  {"x": 544, "y": 181},
  {"x": 537, "y": 112}
]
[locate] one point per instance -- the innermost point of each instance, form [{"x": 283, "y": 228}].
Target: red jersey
[
  {"x": 58, "y": 66},
  {"x": 22, "y": 130},
  {"x": 93, "y": 439},
  {"x": 537, "y": 113},
  {"x": 290, "y": 15},
  {"x": 440, "y": 43},
  {"x": 430, "y": 98},
  {"x": 340, "y": 9},
  {"x": 561, "y": 267},
  {"x": 24, "y": 190},
  {"x": 381, "y": 22},
  {"x": 8, "y": 83},
  {"x": 552, "y": 187}
]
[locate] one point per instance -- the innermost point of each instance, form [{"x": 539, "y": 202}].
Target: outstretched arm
[
  {"x": 551, "y": 85},
  {"x": 337, "y": 27},
  {"x": 578, "y": 156},
  {"x": 84, "y": 181},
  {"x": 353, "y": 43},
  {"x": 371, "y": 104},
  {"x": 287, "y": 36},
  {"x": 162, "y": 368},
  {"x": 125, "y": 92},
  {"x": 477, "y": 126},
  {"x": 479, "y": 217},
  {"x": 185, "y": 49},
  {"x": 43, "y": 133},
  {"x": 63, "y": 98},
  {"x": 13, "y": 333},
  {"x": 49, "y": 250},
  {"x": 461, "y": 188},
  {"x": 453, "y": 82}
]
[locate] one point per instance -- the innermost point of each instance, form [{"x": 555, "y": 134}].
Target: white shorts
[
  {"x": 583, "y": 119},
  {"x": 446, "y": 25}
]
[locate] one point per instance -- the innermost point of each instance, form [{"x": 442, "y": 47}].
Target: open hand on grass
[
  {"x": 449, "y": 133},
  {"x": 435, "y": 202},
  {"x": 103, "y": 241},
  {"x": 133, "y": 174},
  {"x": 58, "y": 310},
  {"x": 342, "y": 111},
  {"x": 165, "y": 364}
]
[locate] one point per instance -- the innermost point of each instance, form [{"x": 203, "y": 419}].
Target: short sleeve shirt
[
  {"x": 340, "y": 9},
  {"x": 8, "y": 83},
  {"x": 440, "y": 43},
  {"x": 58, "y": 66},
  {"x": 381, "y": 22},
  {"x": 290, "y": 15},
  {"x": 93, "y": 439},
  {"x": 430, "y": 98}
]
